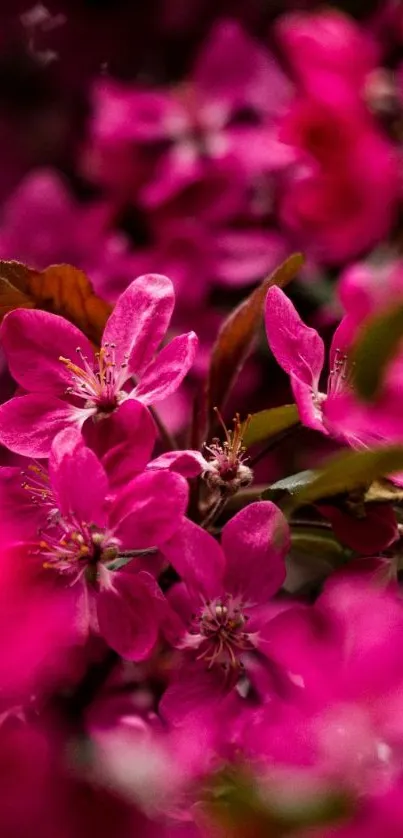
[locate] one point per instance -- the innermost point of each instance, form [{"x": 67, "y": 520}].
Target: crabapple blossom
[
  {"x": 82, "y": 527},
  {"x": 68, "y": 383},
  {"x": 224, "y": 606}
]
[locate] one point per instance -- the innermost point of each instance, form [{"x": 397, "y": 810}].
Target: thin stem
[
  {"x": 214, "y": 511},
  {"x": 314, "y": 523}
]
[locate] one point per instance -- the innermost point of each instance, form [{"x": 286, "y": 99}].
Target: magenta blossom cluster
[
  {"x": 213, "y": 172},
  {"x": 201, "y": 511},
  {"x": 160, "y": 646}
]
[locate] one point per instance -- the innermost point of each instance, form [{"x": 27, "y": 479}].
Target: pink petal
[
  {"x": 126, "y": 114},
  {"x": 198, "y": 559},
  {"x": 308, "y": 648},
  {"x": 20, "y": 516},
  {"x": 253, "y": 80},
  {"x": 255, "y": 543},
  {"x": 174, "y": 173},
  {"x": 371, "y": 619},
  {"x": 298, "y": 349},
  {"x": 169, "y": 621},
  {"x": 342, "y": 339},
  {"x": 165, "y": 374},
  {"x": 194, "y": 691},
  {"x": 368, "y": 535},
  {"x": 126, "y": 614},
  {"x": 150, "y": 509},
  {"x": 258, "y": 150},
  {"x": 125, "y": 442},
  {"x": 361, "y": 425},
  {"x": 245, "y": 255},
  {"x": 78, "y": 480},
  {"x": 29, "y": 424},
  {"x": 140, "y": 319},
  {"x": 309, "y": 405},
  {"x": 188, "y": 463},
  {"x": 182, "y": 602},
  {"x": 33, "y": 341}
]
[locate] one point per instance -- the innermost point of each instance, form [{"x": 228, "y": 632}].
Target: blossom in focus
[
  {"x": 300, "y": 351},
  {"x": 223, "y": 605},
  {"x": 81, "y": 529},
  {"x": 68, "y": 383}
]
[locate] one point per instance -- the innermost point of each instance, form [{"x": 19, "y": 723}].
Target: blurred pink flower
[
  {"x": 339, "y": 711},
  {"x": 340, "y": 198},
  {"x": 44, "y": 224},
  {"x": 365, "y": 290},
  {"x": 367, "y": 535},
  {"x": 329, "y": 53},
  {"x": 37, "y": 627},
  {"x": 197, "y": 117},
  {"x": 211, "y": 144},
  {"x": 341, "y": 194}
]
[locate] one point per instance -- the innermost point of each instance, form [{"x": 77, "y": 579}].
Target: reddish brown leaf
[
  {"x": 235, "y": 338},
  {"x": 61, "y": 289}
]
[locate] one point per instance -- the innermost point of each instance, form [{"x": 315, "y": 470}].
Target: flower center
[
  {"x": 227, "y": 468},
  {"x": 76, "y": 548},
  {"x": 340, "y": 374},
  {"x": 36, "y": 483},
  {"x": 100, "y": 384},
  {"x": 218, "y": 632}
]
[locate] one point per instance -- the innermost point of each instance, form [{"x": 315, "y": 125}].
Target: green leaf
[
  {"x": 376, "y": 345},
  {"x": 383, "y": 491},
  {"x": 270, "y": 422},
  {"x": 240, "y": 807},
  {"x": 349, "y": 471},
  {"x": 235, "y": 338},
  {"x": 314, "y": 555},
  {"x": 288, "y": 486}
]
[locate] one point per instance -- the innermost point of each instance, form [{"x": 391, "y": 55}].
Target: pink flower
[
  {"x": 365, "y": 290},
  {"x": 83, "y": 525},
  {"x": 376, "y": 531},
  {"x": 42, "y": 224},
  {"x": 222, "y": 600},
  {"x": 339, "y": 709},
  {"x": 68, "y": 384},
  {"x": 340, "y": 197},
  {"x": 300, "y": 351},
  {"x": 330, "y": 55},
  {"x": 44, "y": 793},
  {"x": 199, "y": 117},
  {"x": 37, "y": 628}
]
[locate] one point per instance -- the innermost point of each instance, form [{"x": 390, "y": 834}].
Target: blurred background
[{"x": 208, "y": 141}]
